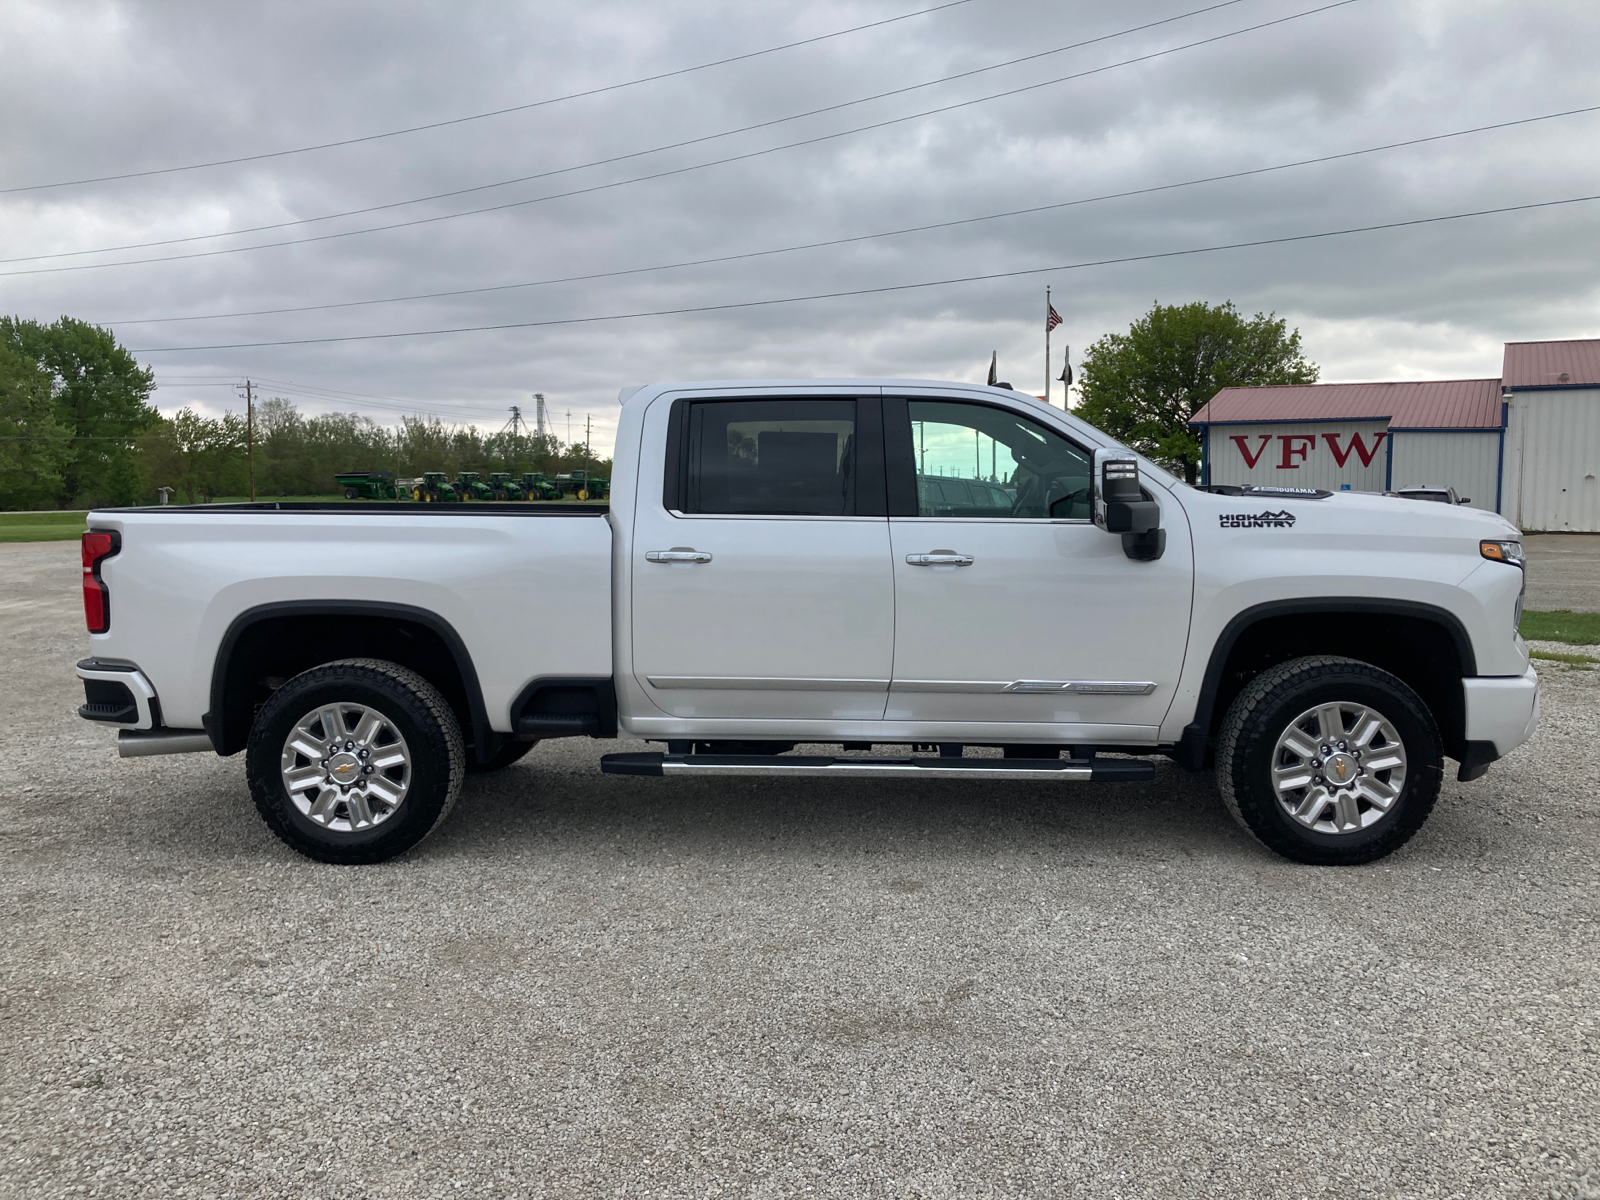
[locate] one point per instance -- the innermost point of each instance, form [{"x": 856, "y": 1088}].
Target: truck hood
[{"x": 1358, "y": 511}]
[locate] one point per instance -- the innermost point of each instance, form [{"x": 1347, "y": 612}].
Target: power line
[
  {"x": 599, "y": 162},
  {"x": 874, "y": 291},
  {"x": 843, "y": 241},
  {"x": 468, "y": 413},
  {"x": 289, "y": 388},
  {"x": 338, "y": 393},
  {"x": 358, "y": 400},
  {"x": 418, "y": 409},
  {"x": 733, "y": 158},
  {"x": 498, "y": 112}
]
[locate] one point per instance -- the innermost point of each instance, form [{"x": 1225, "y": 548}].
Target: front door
[
  {"x": 1011, "y": 607},
  {"x": 762, "y": 587}
]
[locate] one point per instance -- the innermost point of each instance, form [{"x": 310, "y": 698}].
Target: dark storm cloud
[{"x": 97, "y": 89}]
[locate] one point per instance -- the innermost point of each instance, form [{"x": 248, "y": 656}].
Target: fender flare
[
  {"x": 214, "y": 721},
  {"x": 1192, "y": 745}
]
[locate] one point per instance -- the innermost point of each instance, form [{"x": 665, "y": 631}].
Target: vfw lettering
[{"x": 1295, "y": 447}]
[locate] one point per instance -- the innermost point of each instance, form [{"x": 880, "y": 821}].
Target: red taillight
[{"x": 97, "y": 547}]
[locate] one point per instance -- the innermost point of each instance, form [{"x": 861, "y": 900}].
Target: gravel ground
[
  {"x": 587, "y": 985},
  {"x": 1563, "y": 571}
]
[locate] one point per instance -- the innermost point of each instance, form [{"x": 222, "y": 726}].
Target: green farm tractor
[
  {"x": 367, "y": 485},
  {"x": 536, "y": 487},
  {"x": 584, "y": 486},
  {"x": 504, "y": 487},
  {"x": 436, "y": 489},
  {"x": 472, "y": 487}
]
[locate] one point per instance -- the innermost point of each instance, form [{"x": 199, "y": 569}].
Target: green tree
[
  {"x": 1142, "y": 387},
  {"x": 33, "y": 445},
  {"x": 199, "y": 457},
  {"x": 100, "y": 392}
]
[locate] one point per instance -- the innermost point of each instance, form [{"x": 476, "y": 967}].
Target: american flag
[{"x": 1051, "y": 317}]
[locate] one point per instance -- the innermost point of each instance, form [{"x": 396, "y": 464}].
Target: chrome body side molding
[
  {"x": 744, "y": 683},
  {"x": 1077, "y": 687}
]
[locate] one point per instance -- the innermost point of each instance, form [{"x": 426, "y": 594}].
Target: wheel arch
[
  {"x": 283, "y": 638},
  {"x": 1424, "y": 645}
]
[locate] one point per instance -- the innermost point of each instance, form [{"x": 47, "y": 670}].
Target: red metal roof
[
  {"x": 1552, "y": 364},
  {"x": 1431, "y": 404}
]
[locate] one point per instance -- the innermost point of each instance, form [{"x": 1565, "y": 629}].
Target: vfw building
[{"x": 1526, "y": 444}]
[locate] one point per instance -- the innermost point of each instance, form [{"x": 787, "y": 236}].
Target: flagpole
[{"x": 1047, "y": 343}]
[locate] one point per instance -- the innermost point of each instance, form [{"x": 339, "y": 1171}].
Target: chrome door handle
[
  {"x": 672, "y": 556},
  {"x": 940, "y": 558}
]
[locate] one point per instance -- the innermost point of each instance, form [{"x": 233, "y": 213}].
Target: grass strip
[
  {"x": 1573, "y": 628},
  {"x": 1583, "y": 661},
  {"x": 41, "y": 527}
]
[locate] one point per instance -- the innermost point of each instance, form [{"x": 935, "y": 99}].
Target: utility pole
[
  {"x": 250, "y": 436},
  {"x": 586, "y": 421}
]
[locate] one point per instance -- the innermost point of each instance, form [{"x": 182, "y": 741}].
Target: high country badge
[{"x": 1266, "y": 520}]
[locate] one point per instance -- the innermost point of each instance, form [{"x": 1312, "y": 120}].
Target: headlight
[{"x": 1506, "y": 552}]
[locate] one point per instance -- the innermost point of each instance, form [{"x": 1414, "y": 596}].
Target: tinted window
[
  {"x": 977, "y": 461},
  {"x": 789, "y": 457}
]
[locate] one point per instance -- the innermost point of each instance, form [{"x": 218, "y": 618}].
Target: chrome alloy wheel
[
  {"x": 346, "y": 767},
  {"x": 1338, "y": 768}
]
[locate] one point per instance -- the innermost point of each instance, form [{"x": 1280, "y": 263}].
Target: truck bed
[
  {"x": 526, "y": 508},
  {"x": 525, "y": 588}
]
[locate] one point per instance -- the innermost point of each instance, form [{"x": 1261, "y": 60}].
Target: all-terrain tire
[
  {"x": 417, "y": 725},
  {"x": 1248, "y": 750}
]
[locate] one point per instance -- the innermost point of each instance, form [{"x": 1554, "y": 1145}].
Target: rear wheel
[
  {"x": 351, "y": 494},
  {"x": 355, "y": 761},
  {"x": 1329, "y": 761}
]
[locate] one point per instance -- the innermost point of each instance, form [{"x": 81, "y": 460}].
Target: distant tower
[{"x": 541, "y": 419}]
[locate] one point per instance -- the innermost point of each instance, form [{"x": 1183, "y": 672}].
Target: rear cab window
[{"x": 820, "y": 457}]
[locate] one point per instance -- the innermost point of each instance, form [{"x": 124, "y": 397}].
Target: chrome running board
[{"x": 1066, "y": 770}]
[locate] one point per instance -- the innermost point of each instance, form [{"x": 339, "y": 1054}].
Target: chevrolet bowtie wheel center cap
[
  {"x": 344, "y": 768},
  {"x": 1339, "y": 770}
]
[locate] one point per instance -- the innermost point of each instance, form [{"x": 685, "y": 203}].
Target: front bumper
[{"x": 1502, "y": 711}]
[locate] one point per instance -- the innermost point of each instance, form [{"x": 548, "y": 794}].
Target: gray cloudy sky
[{"x": 94, "y": 89}]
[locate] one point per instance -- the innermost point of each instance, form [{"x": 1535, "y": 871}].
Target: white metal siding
[
  {"x": 1465, "y": 460},
  {"x": 1306, "y": 447},
  {"x": 1556, "y": 445}
]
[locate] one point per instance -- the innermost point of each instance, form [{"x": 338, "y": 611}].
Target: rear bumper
[
  {"x": 1502, "y": 711},
  {"x": 118, "y": 692}
]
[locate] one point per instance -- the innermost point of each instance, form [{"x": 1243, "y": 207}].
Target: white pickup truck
[{"x": 944, "y": 581}]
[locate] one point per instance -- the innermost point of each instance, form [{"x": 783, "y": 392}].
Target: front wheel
[
  {"x": 1329, "y": 761},
  {"x": 355, "y": 761}
]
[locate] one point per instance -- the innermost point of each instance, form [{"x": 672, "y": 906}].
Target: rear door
[
  {"x": 1011, "y": 607},
  {"x": 762, "y": 586}
]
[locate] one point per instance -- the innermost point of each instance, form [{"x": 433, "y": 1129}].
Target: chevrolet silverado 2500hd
[{"x": 902, "y": 569}]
